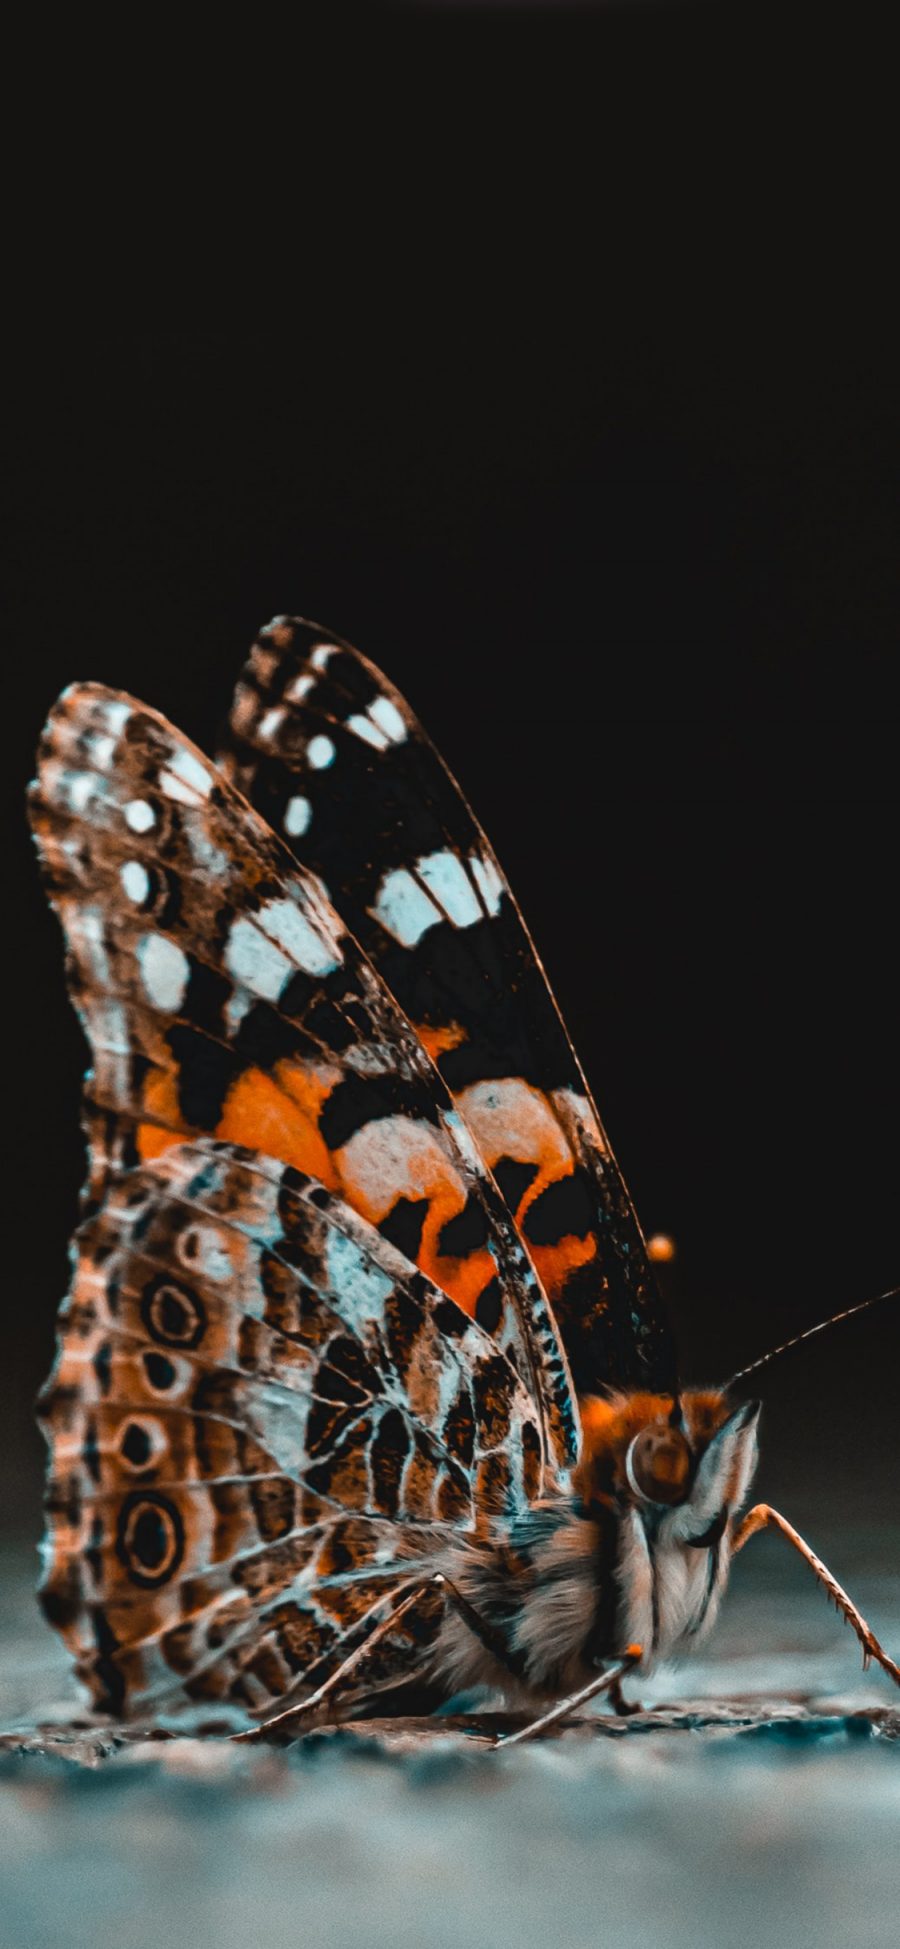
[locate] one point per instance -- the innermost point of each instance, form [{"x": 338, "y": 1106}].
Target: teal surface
[{"x": 756, "y": 1803}]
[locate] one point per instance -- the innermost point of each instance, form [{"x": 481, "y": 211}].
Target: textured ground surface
[{"x": 756, "y": 1801}]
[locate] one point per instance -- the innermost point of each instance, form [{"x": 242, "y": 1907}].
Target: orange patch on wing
[
  {"x": 554, "y": 1263},
  {"x": 438, "y": 1041},
  {"x": 166, "y": 1125},
  {"x": 269, "y": 1113},
  {"x": 394, "y": 1157},
  {"x": 463, "y": 1279},
  {"x": 308, "y": 1088},
  {"x": 464, "y": 1275},
  {"x": 151, "y": 1141},
  {"x": 511, "y": 1118}
]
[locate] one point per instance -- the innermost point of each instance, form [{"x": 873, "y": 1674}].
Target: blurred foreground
[{"x": 764, "y": 1810}]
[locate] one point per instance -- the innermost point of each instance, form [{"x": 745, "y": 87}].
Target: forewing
[
  {"x": 221, "y": 994},
  {"x": 261, "y": 1421},
  {"x": 334, "y": 758}
]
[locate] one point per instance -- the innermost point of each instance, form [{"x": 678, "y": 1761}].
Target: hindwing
[{"x": 262, "y": 1420}]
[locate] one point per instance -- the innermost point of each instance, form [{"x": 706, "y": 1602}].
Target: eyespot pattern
[
  {"x": 149, "y": 1538},
  {"x": 172, "y": 1314}
]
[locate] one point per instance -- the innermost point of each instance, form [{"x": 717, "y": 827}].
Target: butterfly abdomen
[{"x": 543, "y": 1589}]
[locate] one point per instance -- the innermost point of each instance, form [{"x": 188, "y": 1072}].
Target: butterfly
[{"x": 363, "y": 1377}]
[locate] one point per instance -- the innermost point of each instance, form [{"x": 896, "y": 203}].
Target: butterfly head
[{"x": 695, "y": 1454}]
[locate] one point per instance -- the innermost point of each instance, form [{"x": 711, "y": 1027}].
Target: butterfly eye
[{"x": 658, "y": 1464}]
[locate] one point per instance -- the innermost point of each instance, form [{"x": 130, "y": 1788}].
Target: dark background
[{"x": 571, "y": 398}]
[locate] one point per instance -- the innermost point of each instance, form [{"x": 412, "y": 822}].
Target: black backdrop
[{"x": 599, "y": 466}]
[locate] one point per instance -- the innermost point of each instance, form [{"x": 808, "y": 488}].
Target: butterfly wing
[
  {"x": 221, "y": 994},
  {"x": 261, "y": 1418},
  {"x": 335, "y": 760}
]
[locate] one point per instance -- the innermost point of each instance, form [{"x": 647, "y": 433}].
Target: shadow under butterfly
[{"x": 363, "y": 1376}]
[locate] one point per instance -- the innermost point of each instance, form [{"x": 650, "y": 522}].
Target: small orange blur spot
[{"x": 660, "y": 1249}]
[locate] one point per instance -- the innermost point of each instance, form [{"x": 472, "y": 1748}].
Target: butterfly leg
[
  {"x": 604, "y": 1683},
  {"x": 763, "y": 1517},
  {"x": 287, "y": 1723}
]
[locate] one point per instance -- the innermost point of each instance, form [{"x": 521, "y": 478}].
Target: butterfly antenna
[{"x": 833, "y": 1320}]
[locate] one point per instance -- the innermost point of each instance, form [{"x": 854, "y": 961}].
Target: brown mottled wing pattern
[
  {"x": 335, "y": 760},
  {"x": 262, "y": 1420},
  {"x": 221, "y": 994}
]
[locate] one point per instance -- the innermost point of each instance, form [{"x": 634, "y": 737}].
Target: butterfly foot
[
  {"x": 623, "y": 1707},
  {"x": 286, "y": 1727},
  {"x": 604, "y": 1682}
]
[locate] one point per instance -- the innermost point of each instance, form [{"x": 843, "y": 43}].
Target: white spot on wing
[
  {"x": 139, "y": 815},
  {"x": 175, "y": 788},
  {"x": 285, "y": 923},
  {"x": 164, "y": 971},
  {"x": 359, "y": 1287},
  {"x": 321, "y": 903},
  {"x": 319, "y": 752},
  {"x": 488, "y": 881},
  {"x": 211, "y": 858},
  {"x": 109, "y": 1029},
  {"x": 370, "y": 1059},
  {"x": 297, "y": 815},
  {"x": 202, "y": 1248},
  {"x": 300, "y": 688},
  {"x": 403, "y": 907},
  {"x": 448, "y": 1388},
  {"x": 101, "y": 750},
  {"x": 79, "y": 787},
  {"x": 464, "y": 1141},
  {"x": 116, "y": 717},
  {"x": 321, "y": 654},
  {"x": 448, "y": 880},
  {"x": 86, "y": 929},
  {"x": 508, "y": 1116},
  {"x": 388, "y": 719},
  {"x": 393, "y": 1157},
  {"x": 268, "y": 725},
  {"x": 255, "y": 961},
  {"x": 362, "y": 727},
  {"x": 237, "y": 1006},
  {"x": 135, "y": 881},
  {"x": 110, "y": 1044},
  {"x": 185, "y": 778}
]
